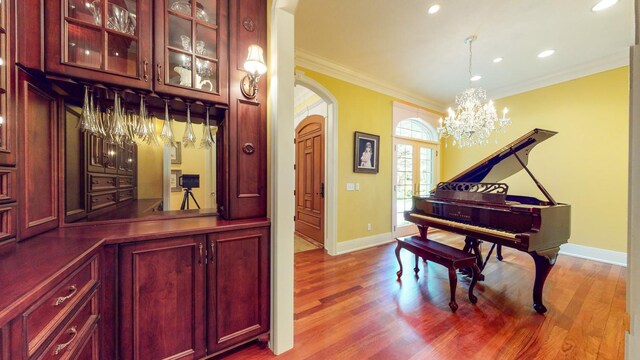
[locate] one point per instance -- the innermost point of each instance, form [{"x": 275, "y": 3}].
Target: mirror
[{"x": 106, "y": 181}]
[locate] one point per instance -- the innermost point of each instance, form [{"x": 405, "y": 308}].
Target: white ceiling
[{"x": 399, "y": 46}]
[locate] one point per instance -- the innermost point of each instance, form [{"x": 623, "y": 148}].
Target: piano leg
[
  {"x": 472, "y": 246},
  {"x": 416, "y": 269},
  {"x": 453, "y": 281},
  {"x": 544, "y": 261},
  {"x": 398, "y": 247},
  {"x": 499, "y": 252},
  {"x": 423, "y": 231}
]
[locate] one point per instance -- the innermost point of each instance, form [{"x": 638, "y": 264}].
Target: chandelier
[{"x": 474, "y": 120}]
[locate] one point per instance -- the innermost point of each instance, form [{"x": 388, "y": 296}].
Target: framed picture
[
  {"x": 176, "y": 153},
  {"x": 366, "y": 155},
  {"x": 174, "y": 180}
]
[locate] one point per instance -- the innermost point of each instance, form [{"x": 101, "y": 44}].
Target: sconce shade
[{"x": 255, "y": 61}]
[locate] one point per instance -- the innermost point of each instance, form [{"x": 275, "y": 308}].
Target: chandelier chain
[{"x": 470, "y": 59}]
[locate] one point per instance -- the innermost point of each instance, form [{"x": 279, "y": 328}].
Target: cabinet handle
[
  {"x": 159, "y": 73},
  {"x": 73, "y": 289},
  {"x": 145, "y": 68},
  {"x": 213, "y": 249},
  {"x": 200, "y": 247},
  {"x": 74, "y": 332}
]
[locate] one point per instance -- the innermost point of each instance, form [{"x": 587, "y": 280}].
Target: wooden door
[
  {"x": 309, "y": 191},
  {"x": 237, "y": 287},
  {"x": 162, "y": 292},
  {"x": 83, "y": 43},
  {"x": 38, "y": 149}
]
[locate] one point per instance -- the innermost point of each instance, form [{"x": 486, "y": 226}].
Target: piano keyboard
[{"x": 480, "y": 229}]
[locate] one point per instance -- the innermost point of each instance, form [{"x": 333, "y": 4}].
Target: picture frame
[
  {"x": 366, "y": 154},
  {"x": 176, "y": 153},
  {"x": 174, "y": 180}
]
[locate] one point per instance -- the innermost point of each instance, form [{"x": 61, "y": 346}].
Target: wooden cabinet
[
  {"x": 162, "y": 293},
  {"x": 191, "y": 49},
  {"x": 8, "y": 125},
  {"x": 105, "y": 41},
  {"x": 59, "y": 324},
  {"x": 237, "y": 287},
  {"x": 38, "y": 148},
  {"x": 166, "y": 285}
]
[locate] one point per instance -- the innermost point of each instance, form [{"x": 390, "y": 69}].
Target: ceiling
[{"x": 399, "y": 48}]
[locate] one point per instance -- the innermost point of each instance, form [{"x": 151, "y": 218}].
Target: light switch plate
[
  {"x": 357, "y": 186},
  {"x": 350, "y": 187}
]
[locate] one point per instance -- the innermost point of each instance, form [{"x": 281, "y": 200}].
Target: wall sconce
[{"x": 255, "y": 67}]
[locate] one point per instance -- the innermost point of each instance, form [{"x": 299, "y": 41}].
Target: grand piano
[{"x": 475, "y": 204}]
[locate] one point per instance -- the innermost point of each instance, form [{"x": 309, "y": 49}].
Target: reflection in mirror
[{"x": 107, "y": 181}]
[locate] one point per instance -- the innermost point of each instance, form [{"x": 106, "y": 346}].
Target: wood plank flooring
[{"x": 352, "y": 307}]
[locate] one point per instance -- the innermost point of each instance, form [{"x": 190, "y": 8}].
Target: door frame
[
  {"x": 436, "y": 174},
  {"x": 330, "y": 160}
]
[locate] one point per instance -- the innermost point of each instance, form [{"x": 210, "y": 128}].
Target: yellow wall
[
  {"x": 193, "y": 162},
  {"x": 364, "y": 110},
  {"x": 584, "y": 165},
  {"x": 150, "y": 170}
]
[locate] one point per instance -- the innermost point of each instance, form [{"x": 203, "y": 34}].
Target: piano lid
[{"x": 502, "y": 164}]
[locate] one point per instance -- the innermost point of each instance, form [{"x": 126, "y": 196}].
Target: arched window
[{"x": 416, "y": 129}]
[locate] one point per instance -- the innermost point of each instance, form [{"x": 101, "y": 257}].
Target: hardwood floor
[{"x": 352, "y": 307}]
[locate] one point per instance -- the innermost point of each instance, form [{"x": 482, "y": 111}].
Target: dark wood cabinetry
[
  {"x": 191, "y": 49},
  {"x": 166, "y": 285},
  {"x": 238, "y": 287},
  {"x": 38, "y": 147},
  {"x": 8, "y": 125},
  {"x": 101, "y": 41},
  {"x": 162, "y": 294}
]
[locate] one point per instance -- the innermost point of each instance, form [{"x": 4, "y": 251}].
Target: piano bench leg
[
  {"x": 453, "y": 281},
  {"x": 416, "y": 269},
  {"x": 499, "y": 253},
  {"x": 398, "y": 247},
  {"x": 474, "y": 281}
]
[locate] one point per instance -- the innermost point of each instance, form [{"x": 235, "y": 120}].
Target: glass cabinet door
[
  {"x": 189, "y": 59},
  {"x": 103, "y": 40}
]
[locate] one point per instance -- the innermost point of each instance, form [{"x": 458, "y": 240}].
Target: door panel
[
  {"x": 162, "y": 299},
  {"x": 415, "y": 174},
  {"x": 310, "y": 178}
]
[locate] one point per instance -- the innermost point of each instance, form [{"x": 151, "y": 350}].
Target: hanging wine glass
[
  {"x": 167, "y": 133},
  {"x": 189, "y": 137},
  {"x": 207, "y": 140},
  {"x": 85, "y": 116}
]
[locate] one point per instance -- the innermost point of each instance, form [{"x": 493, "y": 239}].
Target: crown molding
[
  {"x": 575, "y": 72},
  {"x": 327, "y": 67}
]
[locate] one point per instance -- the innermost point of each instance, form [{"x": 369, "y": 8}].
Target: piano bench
[{"x": 442, "y": 254}]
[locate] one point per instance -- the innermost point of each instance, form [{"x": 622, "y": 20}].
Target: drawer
[
  {"x": 102, "y": 200},
  {"x": 99, "y": 182},
  {"x": 7, "y": 185},
  {"x": 88, "y": 348},
  {"x": 125, "y": 195},
  {"x": 125, "y": 181},
  {"x": 72, "y": 335},
  {"x": 8, "y": 222},
  {"x": 42, "y": 318}
]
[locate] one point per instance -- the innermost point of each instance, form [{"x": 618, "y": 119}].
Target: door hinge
[
  {"x": 394, "y": 228},
  {"x": 436, "y": 152},
  {"x": 294, "y": 166},
  {"x": 294, "y": 218},
  {"x": 294, "y": 193},
  {"x": 294, "y": 140}
]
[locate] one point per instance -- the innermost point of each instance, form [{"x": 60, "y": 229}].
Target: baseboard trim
[
  {"x": 364, "y": 243},
  {"x": 596, "y": 254}
]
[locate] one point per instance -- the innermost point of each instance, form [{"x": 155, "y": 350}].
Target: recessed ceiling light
[
  {"x": 434, "y": 9},
  {"x": 497, "y": 60},
  {"x": 546, "y": 53},
  {"x": 603, "y": 4},
  {"x": 475, "y": 78}
]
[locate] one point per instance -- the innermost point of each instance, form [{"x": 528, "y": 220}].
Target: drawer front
[
  {"x": 101, "y": 182},
  {"x": 8, "y": 226},
  {"x": 89, "y": 346},
  {"x": 41, "y": 320},
  {"x": 7, "y": 185},
  {"x": 72, "y": 334},
  {"x": 125, "y": 194},
  {"x": 99, "y": 201},
  {"x": 125, "y": 181}
]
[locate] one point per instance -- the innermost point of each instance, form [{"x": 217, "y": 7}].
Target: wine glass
[
  {"x": 189, "y": 137},
  {"x": 207, "y": 140},
  {"x": 167, "y": 132}
]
